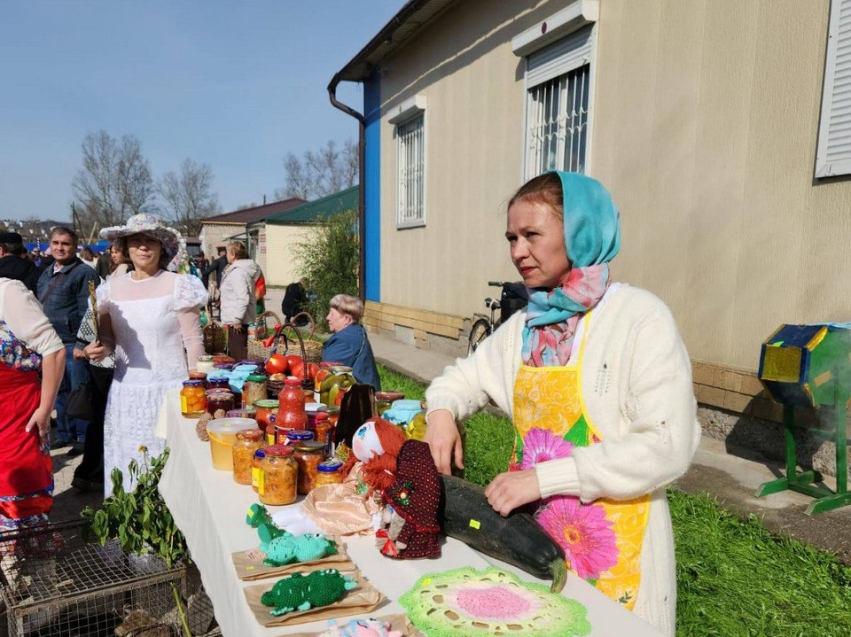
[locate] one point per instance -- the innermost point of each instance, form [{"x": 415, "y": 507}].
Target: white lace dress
[{"x": 153, "y": 320}]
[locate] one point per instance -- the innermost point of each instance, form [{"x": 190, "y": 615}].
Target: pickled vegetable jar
[
  {"x": 321, "y": 427},
  {"x": 253, "y": 389},
  {"x": 193, "y": 400},
  {"x": 328, "y": 472},
  {"x": 248, "y": 441},
  {"x": 265, "y": 408},
  {"x": 293, "y": 437},
  {"x": 308, "y": 455},
  {"x": 279, "y": 476},
  {"x": 256, "y": 469}
]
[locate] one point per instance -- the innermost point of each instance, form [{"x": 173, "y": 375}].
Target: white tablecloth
[{"x": 210, "y": 509}]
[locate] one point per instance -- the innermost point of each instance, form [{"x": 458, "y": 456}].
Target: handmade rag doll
[
  {"x": 412, "y": 528},
  {"x": 353, "y": 507}
]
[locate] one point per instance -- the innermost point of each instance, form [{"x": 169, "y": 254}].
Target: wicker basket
[
  {"x": 256, "y": 348},
  {"x": 312, "y": 349},
  {"x": 283, "y": 345}
]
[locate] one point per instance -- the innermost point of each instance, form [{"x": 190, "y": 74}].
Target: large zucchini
[{"x": 517, "y": 539}]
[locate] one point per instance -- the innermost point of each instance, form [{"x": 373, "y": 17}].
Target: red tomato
[
  {"x": 277, "y": 364},
  {"x": 296, "y": 366},
  {"x": 312, "y": 370}
]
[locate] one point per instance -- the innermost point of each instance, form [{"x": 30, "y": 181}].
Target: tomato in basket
[{"x": 277, "y": 364}]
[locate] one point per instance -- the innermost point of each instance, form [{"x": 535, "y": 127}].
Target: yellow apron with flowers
[{"x": 601, "y": 539}]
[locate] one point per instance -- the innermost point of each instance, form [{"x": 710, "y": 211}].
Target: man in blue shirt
[{"x": 63, "y": 289}]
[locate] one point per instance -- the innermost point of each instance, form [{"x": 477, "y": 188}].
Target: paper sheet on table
[
  {"x": 354, "y": 603},
  {"x": 249, "y": 564}
]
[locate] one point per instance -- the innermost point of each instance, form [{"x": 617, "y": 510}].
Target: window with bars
[
  {"x": 410, "y": 208},
  {"x": 557, "y": 116}
]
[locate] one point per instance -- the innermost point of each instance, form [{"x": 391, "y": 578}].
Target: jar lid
[
  {"x": 299, "y": 434},
  {"x": 278, "y": 450},
  {"x": 260, "y": 453},
  {"x": 389, "y": 395},
  {"x": 320, "y": 415},
  {"x": 193, "y": 383},
  {"x": 333, "y": 409},
  {"x": 292, "y": 381},
  {"x": 267, "y": 403},
  {"x": 256, "y": 378},
  {"x": 249, "y": 434},
  {"x": 205, "y": 358},
  {"x": 195, "y": 374},
  {"x": 311, "y": 446},
  {"x": 330, "y": 465}
]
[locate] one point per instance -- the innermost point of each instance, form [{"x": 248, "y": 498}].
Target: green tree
[{"x": 328, "y": 259}]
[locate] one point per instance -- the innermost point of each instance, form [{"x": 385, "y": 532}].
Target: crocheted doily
[{"x": 490, "y": 602}]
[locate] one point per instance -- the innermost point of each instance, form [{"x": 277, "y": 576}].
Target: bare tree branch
[
  {"x": 320, "y": 173},
  {"x": 188, "y": 196}
]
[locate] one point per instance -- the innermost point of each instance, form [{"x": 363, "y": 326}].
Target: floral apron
[{"x": 601, "y": 539}]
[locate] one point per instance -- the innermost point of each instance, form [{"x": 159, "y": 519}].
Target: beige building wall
[
  {"x": 280, "y": 265},
  {"x": 704, "y": 127},
  {"x": 214, "y": 234}
]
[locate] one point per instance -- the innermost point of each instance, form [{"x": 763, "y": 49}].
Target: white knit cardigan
[{"x": 636, "y": 383}]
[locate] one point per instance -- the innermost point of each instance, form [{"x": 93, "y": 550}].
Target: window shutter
[
  {"x": 834, "y": 143},
  {"x": 561, "y": 57}
]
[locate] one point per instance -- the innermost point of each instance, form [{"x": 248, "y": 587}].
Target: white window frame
[
  {"x": 562, "y": 43},
  {"x": 408, "y": 112},
  {"x": 833, "y": 155}
]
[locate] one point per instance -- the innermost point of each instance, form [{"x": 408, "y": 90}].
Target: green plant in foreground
[{"x": 140, "y": 520}]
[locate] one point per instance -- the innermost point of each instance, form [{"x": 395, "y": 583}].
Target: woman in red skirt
[{"x": 32, "y": 362}]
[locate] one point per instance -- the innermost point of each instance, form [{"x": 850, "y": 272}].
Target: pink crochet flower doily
[{"x": 491, "y": 602}]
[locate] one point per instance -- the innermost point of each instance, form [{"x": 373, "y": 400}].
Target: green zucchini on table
[{"x": 517, "y": 539}]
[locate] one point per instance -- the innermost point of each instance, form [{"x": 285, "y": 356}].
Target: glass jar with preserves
[
  {"x": 204, "y": 363},
  {"x": 257, "y": 469},
  {"x": 248, "y": 441},
  {"x": 193, "y": 401},
  {"x": 218, "y": 383},
  {"x": 196, "y": 375},
  {"x": 291, "y": 413},
  {"x": 308, "y": 455},
  {"x": 279, "y": 476},
  {"x": 292, "y": 437},
  {"x": 321, "y": 427},
  {"x": 384, "y": 400},
  {"x": 265, "y": 408},
  {"x": 328, "y": 472},
  {"x": 219, "y": 402},
  {"x": 253, "y": 389}
]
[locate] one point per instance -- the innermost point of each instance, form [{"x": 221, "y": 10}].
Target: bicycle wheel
[{"x": 480, "y": 331}]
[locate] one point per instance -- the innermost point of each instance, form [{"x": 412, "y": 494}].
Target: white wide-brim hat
[{"x": 172, "y": 241}]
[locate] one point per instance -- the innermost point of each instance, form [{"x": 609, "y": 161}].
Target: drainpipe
[{"x": 332, "y": 94}]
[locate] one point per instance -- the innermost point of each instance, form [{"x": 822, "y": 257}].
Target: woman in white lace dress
[{"x": 150, "y": 318}]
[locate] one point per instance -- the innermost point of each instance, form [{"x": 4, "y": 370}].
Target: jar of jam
[
  {"x": 308, "y": 455},
  {"x": 248, "y": 441},
  {"x": 321, "y": 427},
  {"x": 279, "y": 476},
  {"x": 218, "y": 383},
  {"x": 219, "y": 402},
  {"x": 328, "y": 472},
  {"x": 256, "y": 469},
  {"x": 196, "y": 375},
  {"x": 292, "y": 437},
  {"x": 193, "y": 400},
  {"x": 253, "y": 389}
]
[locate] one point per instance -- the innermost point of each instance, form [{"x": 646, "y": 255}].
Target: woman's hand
[
  {"x": 95, "y": 351},
  {"x": 40, "y": 419},
  {"x": 80, "y": 355},
  {"x": 445, "y": 441},
  {"x": 512, "y": 489}
]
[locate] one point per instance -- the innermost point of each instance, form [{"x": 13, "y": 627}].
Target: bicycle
[{"x": 513, "y": 298}]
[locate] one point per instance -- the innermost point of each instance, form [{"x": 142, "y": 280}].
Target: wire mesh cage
[{"x": 53, "y": 584}]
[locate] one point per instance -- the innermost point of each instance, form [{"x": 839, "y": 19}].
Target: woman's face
[
  {"x": 536, "y": 236},
  {"x": 115, "y": 255},
  {"x": 144, "y": 252},
  {"x": 338, "y": 320},
  {"x": 231, "y": 256}
]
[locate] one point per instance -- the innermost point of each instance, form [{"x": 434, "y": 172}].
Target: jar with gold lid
[
  {"x": 308, "y": 454},
  {"x": 248, "y": 441},
  {"x": 279, "y": 476}
]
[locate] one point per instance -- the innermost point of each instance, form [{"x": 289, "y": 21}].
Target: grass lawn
[{"x": 733, "y": 577}]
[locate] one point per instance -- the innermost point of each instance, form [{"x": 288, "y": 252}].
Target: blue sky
[{"x": 236, "y": 85}]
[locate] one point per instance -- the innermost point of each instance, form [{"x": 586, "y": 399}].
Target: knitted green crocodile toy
[
  {"x": 303, "y": 592},
  {"x": 282, "y": 547}
]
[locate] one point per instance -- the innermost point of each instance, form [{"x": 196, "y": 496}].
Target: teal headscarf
[{"x": 592, "y": 238}]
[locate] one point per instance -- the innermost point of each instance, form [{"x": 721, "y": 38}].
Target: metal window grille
[
  {"x": 558, "y": 123},
  {"x": 410, "y": 208}
]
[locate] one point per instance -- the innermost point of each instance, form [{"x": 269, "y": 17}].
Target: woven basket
[
  {"x": 283, "y": 345},
  {"x": 256, "y": 348},
  {"x": 312, "y": 349}
]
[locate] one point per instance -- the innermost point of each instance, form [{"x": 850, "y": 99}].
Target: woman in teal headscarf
[{"x": 598, "y": 385}]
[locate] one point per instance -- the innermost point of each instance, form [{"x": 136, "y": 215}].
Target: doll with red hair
[{"x": 353, "y": 507}]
